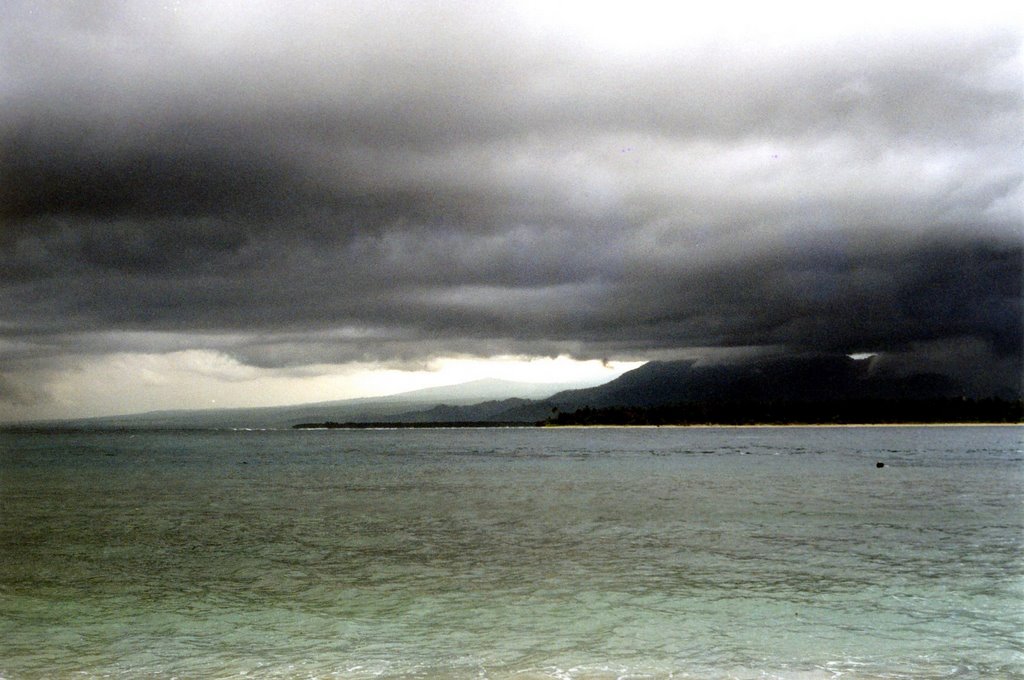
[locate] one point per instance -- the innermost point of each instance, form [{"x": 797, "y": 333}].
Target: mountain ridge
[
  {"x": 400, "y": 406},
  {"x": 780, "y": 388},
  {"x": 815, "y": 387},
  {"x": 794, "y": 378}
]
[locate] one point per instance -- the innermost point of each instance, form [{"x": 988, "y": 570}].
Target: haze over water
[{"x": 513, "y": 553}]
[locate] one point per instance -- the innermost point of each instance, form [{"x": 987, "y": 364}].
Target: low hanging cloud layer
[{"x": 348, "y": 182}]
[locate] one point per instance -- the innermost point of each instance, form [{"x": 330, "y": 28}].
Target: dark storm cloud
[{"x": 354, "y": 183}]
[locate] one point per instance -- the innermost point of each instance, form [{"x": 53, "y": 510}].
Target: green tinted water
[{"x": 522, "y": 553}]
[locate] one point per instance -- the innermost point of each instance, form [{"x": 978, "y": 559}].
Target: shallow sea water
[{"x": 514, "y": 553}]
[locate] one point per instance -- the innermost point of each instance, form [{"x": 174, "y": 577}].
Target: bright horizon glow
[
  {"x": 454, "y": 371},
  {"x": 125, "y": 383}
]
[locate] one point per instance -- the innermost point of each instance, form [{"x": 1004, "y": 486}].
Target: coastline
[
  {"x": 790, "y": 425},
  {"x": 525, "y": 425}
]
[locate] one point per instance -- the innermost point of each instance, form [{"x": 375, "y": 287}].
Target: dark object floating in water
[{"x": 879, "y": 465}]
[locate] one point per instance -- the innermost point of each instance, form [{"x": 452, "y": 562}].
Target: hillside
[
  {"x": 789, "y": 389},
  {"x": 776, "y": 379},
  {"x": 414, "y": 406},
  {"x": 816, "y": 389}
]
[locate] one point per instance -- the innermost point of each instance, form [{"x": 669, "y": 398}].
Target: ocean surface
[{"x": 514, "y": 553}]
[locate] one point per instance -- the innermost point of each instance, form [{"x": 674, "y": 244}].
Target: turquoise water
[{"x": 518, "y": 553}]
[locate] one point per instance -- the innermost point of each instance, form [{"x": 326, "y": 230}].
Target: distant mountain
[
  {"x": 814, "y": 378},
  {"x": 816, "y": 389},
  {"x": 786, "y": 389},
  {"x": 505, "y": 410},
  {"x": 486, "y": 389},
  {"x": 820, "y": 379},
  {"x": 403, "y": 407}
]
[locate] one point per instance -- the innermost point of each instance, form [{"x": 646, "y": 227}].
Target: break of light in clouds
[
  {"x": 214, "y": 201},
  {"x": 202, "y": 378}
]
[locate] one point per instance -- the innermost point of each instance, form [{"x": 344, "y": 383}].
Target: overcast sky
[{"x": 238, "y": 203}]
